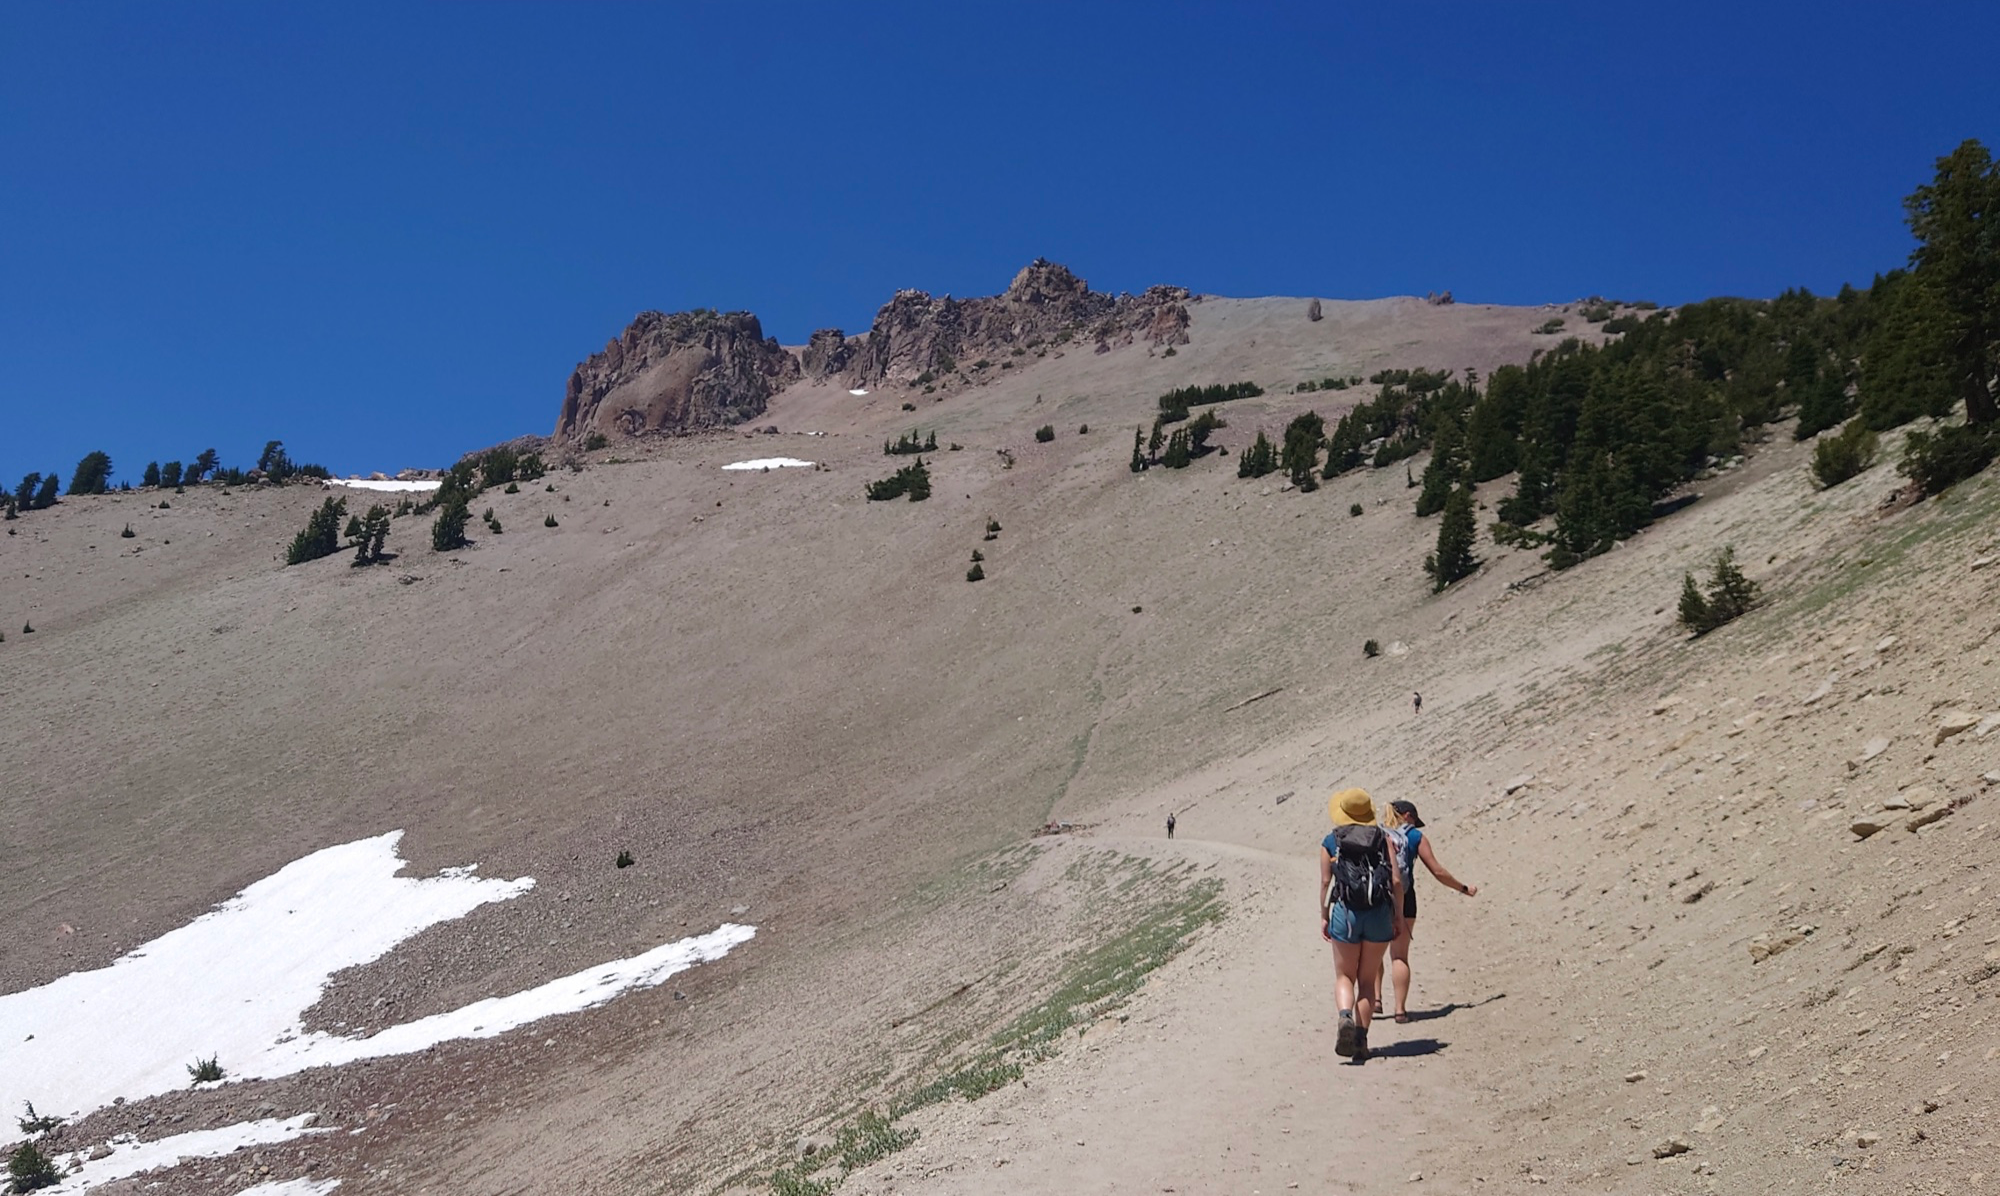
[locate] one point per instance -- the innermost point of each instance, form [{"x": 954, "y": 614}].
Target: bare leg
[
  {"x": 1347, "y": 965},
  {"x": 1399, "y": 967},
  {"x": 1370, "y": 996}
]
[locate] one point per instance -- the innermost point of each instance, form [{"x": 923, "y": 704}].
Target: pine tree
[
  {"x": 152, "y": 474},
  {"x": 369, "y": 534},
  {"x": 321, "y": 536},
  {"x": 93, "y": 474},
  {"x": 1259, "y": 459},
  {"x": 1154, "y": 442},
  {"x": 204, "y": 464},
  {"x": 1178, "y": 454},
  {"x": 448, "y": 530},
  {"x": 170, "y": 474},
  {"x": 1457, "y": 533},
  {"x": 1300, "y": 456},
  {"x": 1445, "y": 471},
  {"x": 1694, "y": 608},
  {"x": 24, "y": 494},
  {"x": 1956, "y": 220},
  {"x": 1138, "y": 457},
  {"x": 46, "y": 496}
]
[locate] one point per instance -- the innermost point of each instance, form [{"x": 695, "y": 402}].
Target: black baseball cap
[{"x": 1406, "y": 807}]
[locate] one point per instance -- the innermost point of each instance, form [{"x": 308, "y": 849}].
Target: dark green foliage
[
  {"x": 1446, "y": 470},
  {"x": 1083, "y": 429},
  {"x": 512, "y": 488},
  {"x": 205, "y": 463},
  {"x": 170, "y": 474},
  {"x": 232, "y": 476},
  {"x": 993, "y": 527},
  {"x": 977, "y": 556},
  {"x": 925, "y": 378},
  {"x": 24, "y": 494},
  {"x": 1938, "y": 460},
  {"x": 1309, "y": 386},
  {"x": 497, "y": 466},
  {"x": 1416, "y": 381},
  {"x": 1180, "y": 450},
  {"x": 1905, "y": 372},
  {"x": 29, "y": 1169},
  {"x": 1259, "y": 459},
  {"x": 369, "y": 533},
  {"x": 530, "y": 468},
  {"x": 32, "y": 1122},
  {"x": 1729, "y": 595},
  {"x": 93, "y": 474},
  {"x": 976, "y": 573},
  {"x": 492, "y": 521},
  {"x": 28, "y": 628},
  {"x": 1621, "y": 324},
  {"x": 624, "y": 860},
  {"x": 1457, "y": 533},
  {"x": 128, "y": 533},
  {"x": 1371, "y": 649},
  {"x": 1201, "y": 428},
  {"x": 152, "y": 474},
  {"x": 1838, "y": 458},
  {"x": 205, "y": 1070},
  {"x": 548, "y": 521},
  {"x": 1956, "y": 220},
  {"x": 164, "y": 504},
  {"x": 274, "y": 463},
  {"x": 1300, "y": 455},
  {"x": 1138, "y": 452},
  {"x": 321, "y": 536},
  {"x": 1596, "y": 311},
  {"x": 1823, "y": 404},
  {"x": 1550, "y": 327},
  {"x": 1043, "y": 434},
  {"x": 448, "y": 530},
  {"x": 1154, "y": 442},
  {"x": 912, "y": 480},
  {"x": 594, "y": 442},
  {"x": 45, "y": 496},
  {"x": 1175, "y": 403},
  {"x": 908, "y": 445},
  {"x": 353, "y": 527},
  {"x": 1354, "y": 509},
  {"x": 909, "y": 406}
]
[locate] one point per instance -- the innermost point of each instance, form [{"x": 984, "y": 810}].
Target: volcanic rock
[{"x": 675, "y": 373}]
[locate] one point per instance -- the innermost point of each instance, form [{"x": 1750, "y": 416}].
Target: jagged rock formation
[
  {"x": 917, "y": 333},
  {"x": 675, "y": 373},
  {"x": 827, "y": 354}
]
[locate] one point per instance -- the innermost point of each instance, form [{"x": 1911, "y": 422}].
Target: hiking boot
[
  {"x": 1344, "y": 1042},
  {"x": 1360, "y": 1044}
]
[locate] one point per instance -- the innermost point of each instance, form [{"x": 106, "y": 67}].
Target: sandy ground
[{"x": 786, "y": 700}]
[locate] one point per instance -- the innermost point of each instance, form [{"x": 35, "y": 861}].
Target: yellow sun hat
[{"x": 1351, "y": 807}]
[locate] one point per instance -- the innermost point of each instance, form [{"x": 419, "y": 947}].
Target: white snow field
[
  {"x": 770, "y": 463},
  {"x": 130, "y": 1157},
  {"x": 293, "y": 1187},
  {"x": 234, "y": 983},
  {"x": 391, "y": 484}
]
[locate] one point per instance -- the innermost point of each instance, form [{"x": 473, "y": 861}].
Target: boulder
[
  {"x": 1313, "y": 312},
  {"x": 1955, "y": 722},
  {"x": 1869, "y": 824}
]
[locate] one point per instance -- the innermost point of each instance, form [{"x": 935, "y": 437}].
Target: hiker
[
  {"x": 1170, "y": 826},
  {"x": 1411, "y": 845},
  {"x": 1416, "y": 703},
  {"x": 1360, "y": 913}
]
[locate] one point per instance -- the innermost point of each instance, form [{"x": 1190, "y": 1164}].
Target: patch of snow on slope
[
  {"x": 771, "y": 463},
  {"x": 129, "y": 1157},
  {"x": 391, "y": 484}
]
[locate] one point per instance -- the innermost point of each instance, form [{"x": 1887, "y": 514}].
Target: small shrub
[
  {"x": 1838, "y": 458},
  {"x": 909, "y": 406},
  {"x": 512, "y": 488},
  {"x": 1354, "y": 509},
  {"x": 976, "y": 573},
  {"x": 1170, "y": 352},
  {"x": 1370, "y": 648},
  {"x": 913, "y": 480},
  {"x": 1083, "y": 430},
  {"x": 548, "y": 521},
  {"x": 977, "y": 556},
  {"x": 956, "y": 447},
  {"x": 27, "y": 629},
  {"x": 321, "y": 536},
  {"x": 1728, "y": 596},
  {"x": 594, "y": 442},
  {"x": 624, "y": 860},
  {"x": 34, "y": 1123},
  {"x": 926, "y": 378},
  {"x": 1938, "y": 460},
  {"x": 1621, "y": 324},
  {"x": 1550, "y": 327},
  {"x": 165, "y": 505},
  {"x": 992, "y": 527},
  {"x": 30, "y": 1169},
  {"x": 128, "y": 533},
  {"x": 206, "y": 1070},
  {"x": 1045, "y": 433},
  {"x": 448, "y": 531}
]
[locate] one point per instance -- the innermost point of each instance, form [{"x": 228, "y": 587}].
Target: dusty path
[{"x": 1224, "y": 1078}]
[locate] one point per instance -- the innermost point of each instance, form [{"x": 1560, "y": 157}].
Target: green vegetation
[
  {"x": 368, "y": 534},
  {"x": 279, "y": 468},
  {"x": 152, "y": 475},
  {"x": 1370, "y": 649},
  {"x": 976, "y": 573},
  {"x": 1310, "y": 385},
  {"x": 913, "y": 480},
  {"x": 1838, "y": 458},
  {"x": 549, "y": 521},
  {"x": 595, "y": 442},
  {"x": 909, "y": 445},
  {"x": 93, "y": 474},
  {"x": 1550, "y": 327},
  {"x": 1729, "y": 595},
  {"x": 624, "y": 860},
  {"x": 448, "y": 530},
  {"x": 205, "y": 1070},
  {"x": 1457, "y": 533},
  {"x": 1940, "y": 459},
  {"x": 1175, "y": 403},
  {"x": 32, "y": 1122},
  {"x": 1354, "y": 509},
  {"x": 1300, "y": 455},
  {"x": 1259, "y": 459},
  {"x": 1045, "y": 433},
  {"x": 128, "y": 533},
  {"x": 29, "y": 1169},
  {"x": 321, "y": 535}
]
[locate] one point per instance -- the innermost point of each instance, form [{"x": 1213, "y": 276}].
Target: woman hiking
[
  {"x": 1360, "y": 913},
  {"x": 1411, "y": 844}
]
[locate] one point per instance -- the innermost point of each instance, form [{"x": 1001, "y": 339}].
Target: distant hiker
[
  {"x": 1170, "y": 826},
  {"x": 1416, "y": 703},
  {"x": 1360, "y": 913},
  {"x": 1411, "y": 845}
]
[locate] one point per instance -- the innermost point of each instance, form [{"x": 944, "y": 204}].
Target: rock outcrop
[
  {"x": 827, "y": 354},
  {"x": 917, "y": 333},
  {"x": 676, "y": 373}
]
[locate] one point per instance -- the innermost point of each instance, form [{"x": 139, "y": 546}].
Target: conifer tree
[
  {"x": 1300, "y": 455},
  {"x": 24, "y": 494},
  {"x": 1138, "y": 456},
  {"x": 1445, "y": 471},
  {"x": 204, "y": 464},
  {"x": 45, "y": 497},
  {"x": 152, "y": 474},
  {"x": 1259, "y": 459},
  {"x": 93, "y": 474},
  {"x": 448, "y": 529},
  {"x": 1178, "y": 453},
  {"x": 1457, "y": 533},
  {"x": 170, "y": 474},
  {"x": 1956, "y": 219}
]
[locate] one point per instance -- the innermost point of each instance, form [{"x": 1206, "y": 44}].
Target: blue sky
[{"x": 385, "y": 233}]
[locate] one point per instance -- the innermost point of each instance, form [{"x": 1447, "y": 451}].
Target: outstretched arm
[{"x": 1443, "y": 874}]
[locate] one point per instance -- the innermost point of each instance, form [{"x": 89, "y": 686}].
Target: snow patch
[
  {"x": 235, "y": 983},
  {"x": 392, "y": 484},
  {"x": 857, "y": 392},
  {"x": 293, "y": 1187},
  {"x": 129, "y": 1156},
  {"x": 771, "y": 463}
]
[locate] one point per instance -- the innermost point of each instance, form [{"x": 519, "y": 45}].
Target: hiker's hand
[
  {"x": 1324, "y": 918},
  {"x": 1470, "y": 890}
]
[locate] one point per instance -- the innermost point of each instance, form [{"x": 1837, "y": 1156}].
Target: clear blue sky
[{"x": 385, "y": 233}]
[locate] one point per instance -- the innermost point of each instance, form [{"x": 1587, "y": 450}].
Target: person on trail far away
[
  {"x": 1411, "y": 844},
  {"x": 1170, "y": 826},
  {"x": 1416, "y": 703},
  {"x": 1360, "y": 913}
]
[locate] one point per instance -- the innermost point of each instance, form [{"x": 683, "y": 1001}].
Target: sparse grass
[{"x": 205, "y": 1071}]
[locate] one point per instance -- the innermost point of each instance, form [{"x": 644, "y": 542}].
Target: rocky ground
[{"x": 1688, "y": 967}]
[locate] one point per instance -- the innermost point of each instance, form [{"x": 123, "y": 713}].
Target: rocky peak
[{"x": 673, "y": 373}]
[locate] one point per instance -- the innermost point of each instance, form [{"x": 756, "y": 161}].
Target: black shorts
[{"x": 1409, "y": 901}]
